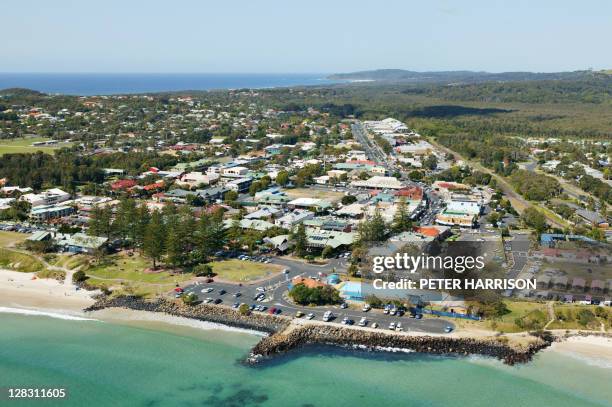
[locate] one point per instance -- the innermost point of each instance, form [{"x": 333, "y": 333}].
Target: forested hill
[{"x": 448, "y": 77}]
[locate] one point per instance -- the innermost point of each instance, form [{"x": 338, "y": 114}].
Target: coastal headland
[{"x": 287, "y": 334}]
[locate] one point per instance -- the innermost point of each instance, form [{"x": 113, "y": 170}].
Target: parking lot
[{"x": 270, "y": 296}]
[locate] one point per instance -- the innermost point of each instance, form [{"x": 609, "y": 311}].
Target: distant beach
[{"x": 87, "y": 84}]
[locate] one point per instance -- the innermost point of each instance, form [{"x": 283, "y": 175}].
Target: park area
[
  {"x": 132, "y": 275},
  {"x": 243, "y": 270},
  {"x": 24, "y": 145}
]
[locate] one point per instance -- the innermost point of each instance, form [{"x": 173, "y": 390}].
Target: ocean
[
  {"x": 87, "y": 84},
  {"x": 104, "y": 364}
]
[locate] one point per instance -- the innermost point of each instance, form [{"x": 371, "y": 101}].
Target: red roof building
[
  {"x": 123, "y": 184},
  {"x": 411, "y": 193},
  {"x": 154, "y": 186}
]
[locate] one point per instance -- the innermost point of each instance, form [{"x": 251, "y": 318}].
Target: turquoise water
[{"x": 103, "y": 364}]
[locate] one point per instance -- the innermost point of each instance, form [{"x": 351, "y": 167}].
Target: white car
[
  {"x": 208, "y": 290},
  {"x": 366, "y": 308},
  {"x": 261, "y": 289},
  {"x": 310, "y": 316},
  {"x": 363, "y": 322}
]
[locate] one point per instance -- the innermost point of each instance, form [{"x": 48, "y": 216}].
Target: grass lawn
[
  {"x": 241, "y": 271},
  {"x": 128, "y": 274},
  {"x": 17, "y": 261},
  {"x": 10, "y": 239},
  {"x": 326, "y": 195},
  {"x": 24, "y": 145}
]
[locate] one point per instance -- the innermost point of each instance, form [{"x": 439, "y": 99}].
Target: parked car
[
  {"x": 310, "y": 315},
  {"x": 363, "y": 321},
  {"x": 448, "y": 329},
  {"x": 299, "y": 314}
]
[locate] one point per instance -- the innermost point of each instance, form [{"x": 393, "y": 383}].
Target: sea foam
[{"x": 57, "y": 315}]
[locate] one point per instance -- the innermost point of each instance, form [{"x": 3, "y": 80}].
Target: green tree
[
  {"x": 348, "y": 199},
  {"x": 154, "y": 238},
  {"x": 301, "y": 240},
  {"x": 534, "y": 219},
  {"x": 282, "y": 178},
  {"x": 401, "y": 219}
]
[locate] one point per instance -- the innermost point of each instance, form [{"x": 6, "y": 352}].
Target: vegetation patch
[
  {"x": 17, "y": 261},
  {"x": 55, "y": 274}
]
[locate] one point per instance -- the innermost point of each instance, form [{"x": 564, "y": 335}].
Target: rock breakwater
[
  {"x": 286, "y": 336},
  {"x": 203, "y": 312}
]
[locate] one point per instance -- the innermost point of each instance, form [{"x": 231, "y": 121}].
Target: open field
[
  {"x": 24, "y": 145},
  {"x": 10, "y": 239},
  {"x": 128, "y": 274},
  {"x": 330, "y": 196},
  {"x": 242, "y": 271}
]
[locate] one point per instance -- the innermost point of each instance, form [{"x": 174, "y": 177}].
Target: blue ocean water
[
  {"x": 87, "y": 84},
  {"x": 104, "y": 364}
]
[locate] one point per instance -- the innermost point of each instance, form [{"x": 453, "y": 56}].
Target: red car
[
  {"x": 178, "y": 289},
  {"x": 272, "y": 311}
]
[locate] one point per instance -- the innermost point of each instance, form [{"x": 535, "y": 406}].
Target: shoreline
[
  {"x": 288, "y": 334},
  {"x": 20, "y": 294}
]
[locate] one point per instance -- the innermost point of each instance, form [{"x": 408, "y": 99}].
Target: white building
[
  {"x": 378, "y": 182},
  {"x": 193, "y": 179},
  {"x": 49, "y": 197},
  {"x": 293, "y": 218}
]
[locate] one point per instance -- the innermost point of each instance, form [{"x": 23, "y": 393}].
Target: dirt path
[{"x": 551, "y": 314}]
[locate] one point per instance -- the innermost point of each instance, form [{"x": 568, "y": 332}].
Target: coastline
[
  {"x": 26, "y": 291},
  {"x": 20, "y": 294}
]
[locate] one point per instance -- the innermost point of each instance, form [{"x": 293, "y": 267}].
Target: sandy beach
[
  {"x": 596, "y": 350},
  {"x": 24, "y": 290}
]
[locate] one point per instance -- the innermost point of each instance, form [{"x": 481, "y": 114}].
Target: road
[{"x": 372, "y": 150}]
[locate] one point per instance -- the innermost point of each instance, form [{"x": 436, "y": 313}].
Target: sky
[{"x": 306, "y": 36}]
